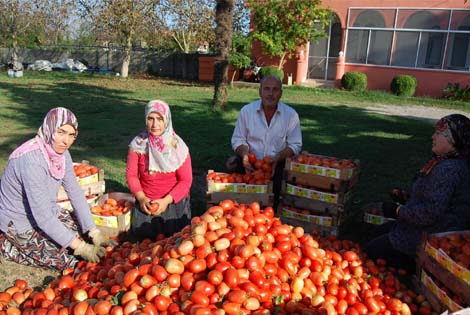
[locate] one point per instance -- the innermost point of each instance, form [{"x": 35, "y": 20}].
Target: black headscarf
[{"x": 457, "y": 127}]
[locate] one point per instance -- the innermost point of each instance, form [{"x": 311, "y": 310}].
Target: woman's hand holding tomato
[{"x": 163, "y": 204}]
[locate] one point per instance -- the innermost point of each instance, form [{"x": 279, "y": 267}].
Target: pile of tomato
[
  {"x": 261, "y": 174},
  {"x": 318, "y": 160},
  {"x": 113, "y": 207},
  {"x": 455, "y": 245},
  {"x": 234, "y": 259},
  {"x": 84, "y": 170}
]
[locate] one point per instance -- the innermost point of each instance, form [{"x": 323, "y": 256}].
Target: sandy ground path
[{"x": 417, "y": 112}]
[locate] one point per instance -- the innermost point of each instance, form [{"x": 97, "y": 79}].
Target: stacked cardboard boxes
[
  {"x": 317, "y": 191},
  {"x": 90, "y": 179}
]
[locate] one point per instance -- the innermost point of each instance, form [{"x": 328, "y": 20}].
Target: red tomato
[
  {"x": 205, "y": 287},
  {"x": 21, "y": 284},
  {"x": 197, "y": 265},
  {"x": 146, "y": 281},
  {"x": 200, "y": 298},
  {"x": 187, "y": 281},
  {"x": 102, "y": 307},
  {"x": 173, "y": 265},
  {"x": 231, "y": 277},
  {"x": 162, "y": 302},
  {"x": 130, "y": 277}
]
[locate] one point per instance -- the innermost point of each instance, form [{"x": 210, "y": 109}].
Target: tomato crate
[
  {"x": 439, "y": 300},
  {"x": 309, "y": 227},
  {"x": 91, "y": 185},
  {"x": 322, "y": 220},
  {"x": 447, "y": 262},
  {"x": 339, "y": 198},
  {"x": 67, "y": 205},
  {"x": 312, "y": 164},
  {"x": 239, "y": 192},
  {"x": 84, "y": 175},
  {"x": 114, "y": 225},
  {"x": 434, "y": 262},
  {"x": 309, "y": 204},
  {"x": 265, "y": 199},
  {"x": 213, "y": 187}
]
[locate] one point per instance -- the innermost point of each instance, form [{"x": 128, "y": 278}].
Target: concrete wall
[{"x": 174, "y": 65}]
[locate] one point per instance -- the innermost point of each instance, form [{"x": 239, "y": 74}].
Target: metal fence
[{"x": 157, "y": 62}]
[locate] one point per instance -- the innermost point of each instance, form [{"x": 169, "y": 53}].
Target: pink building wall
[{"x": 430, "y": 82}]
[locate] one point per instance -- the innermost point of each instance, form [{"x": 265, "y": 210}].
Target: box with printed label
[
  {"x": 321, "y": 165},
  {"x": 445, "y": 260},
  {"x": 113, "y": 225},
  {"x": 67, "y": 205},
  {"x": 334, "y": 198},
  {"x": 314, "y": 219}
]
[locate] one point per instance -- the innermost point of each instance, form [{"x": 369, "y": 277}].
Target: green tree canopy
[{"x": 283, "y": 25}]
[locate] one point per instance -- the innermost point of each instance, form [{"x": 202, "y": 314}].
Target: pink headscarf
[
  {"x": 43, "y": 141},
  {"x": 166, "y": 152}
]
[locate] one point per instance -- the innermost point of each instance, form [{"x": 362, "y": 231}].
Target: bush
[
  {"x": 354, "y": 81},
  {"x": 271, "y": 71},
  {"x": 404, "y": 85},
  {"x": 454, "y": 92}
]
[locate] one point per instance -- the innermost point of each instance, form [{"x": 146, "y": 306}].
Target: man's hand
[
  {"x": 246, "y": 164},
  {"x": 99, "y": 239},
  {"x": 89, "y": 252}
]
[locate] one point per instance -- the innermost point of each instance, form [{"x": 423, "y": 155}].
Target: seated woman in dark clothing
[{"x": 439, "y": 200}]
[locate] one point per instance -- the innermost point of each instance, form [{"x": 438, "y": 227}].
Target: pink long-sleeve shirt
[{"x": 158, "y": 185}]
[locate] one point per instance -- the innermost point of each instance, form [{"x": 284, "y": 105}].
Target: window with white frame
[{"x": 412, "y": 38}]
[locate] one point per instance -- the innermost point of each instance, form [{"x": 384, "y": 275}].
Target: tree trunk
[
  {"x": 223, "y": 33},
  {"x": 126, "y": 60}
]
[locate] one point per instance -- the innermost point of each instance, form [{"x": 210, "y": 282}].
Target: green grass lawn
[{"x": 110, "y": 112}]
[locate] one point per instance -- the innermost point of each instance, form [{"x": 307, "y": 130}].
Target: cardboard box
[
  {"x": 343, "y": 174},
  {"x": 326, "y": 221},
  {"x": 238, "y": 192},
  {"x": 91, "y": 185},
  {"x": 440, "y": 294},
  {"x": 446, "y": 261},
  {"x": 334, "y": 198},
  {"x": 309, "y": 204},
  {"x": 113, "y": 225},
  {"x": 236, "y": 187},
  {"x": 67, "y": 205},
  {"x": 323, "y": 231}
]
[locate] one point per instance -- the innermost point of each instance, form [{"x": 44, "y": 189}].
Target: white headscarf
[{"x": 166, "y": 152}]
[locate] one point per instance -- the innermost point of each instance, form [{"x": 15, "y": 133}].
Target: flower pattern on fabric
[{"x": 33, "y": 248}]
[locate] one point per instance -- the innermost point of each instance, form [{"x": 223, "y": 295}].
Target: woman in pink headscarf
[
  {"x": 159, "y": 174},
  {"x": 34, "y": 230}
]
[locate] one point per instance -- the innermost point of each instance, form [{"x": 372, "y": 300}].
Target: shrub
[
  {"x": 403, "y": 85},
  {"x": 354, "y": 81},
  {"x": 454, "y": 92},
  {"x": 271, "y": 71}
]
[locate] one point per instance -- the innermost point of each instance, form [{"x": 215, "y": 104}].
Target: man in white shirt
[{"x": 266, "y": 127}]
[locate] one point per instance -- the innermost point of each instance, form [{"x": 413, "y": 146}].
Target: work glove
[
  {"x": 89, "y": 252},
  {"x": 99, "y": 239},
  {"x": 389, "y": 210}
]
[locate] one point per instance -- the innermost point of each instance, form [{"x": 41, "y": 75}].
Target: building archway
[{"x": 323, "y": 53}]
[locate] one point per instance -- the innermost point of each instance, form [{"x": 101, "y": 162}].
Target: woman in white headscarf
[
  {"x": 34, "y": 230},
  {"x": 159, "y": 175}
]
